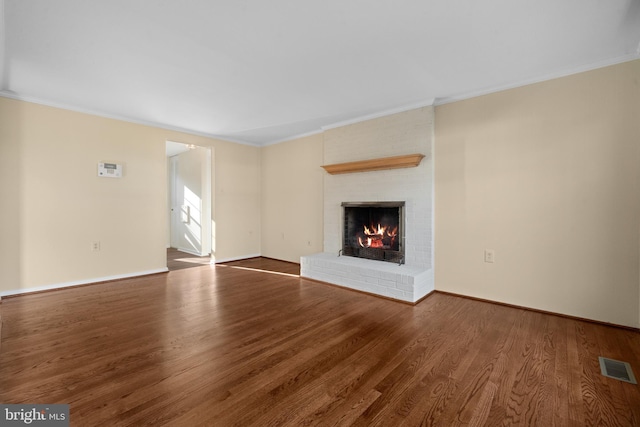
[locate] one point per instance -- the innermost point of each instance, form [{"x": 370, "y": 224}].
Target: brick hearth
[{"x": 402, "y": 282}]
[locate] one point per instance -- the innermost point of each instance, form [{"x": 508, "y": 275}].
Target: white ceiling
[{"x": 265, "y": 71}]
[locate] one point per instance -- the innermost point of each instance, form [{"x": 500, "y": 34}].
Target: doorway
[{"x": 189, "y": 204}]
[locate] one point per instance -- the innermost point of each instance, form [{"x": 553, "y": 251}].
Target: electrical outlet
[
  {"x": 95, "y": 246},
  {"x": 489, "y": 255}
]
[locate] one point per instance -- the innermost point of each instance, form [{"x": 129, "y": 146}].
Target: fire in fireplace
[{"x": 374, "y": 230}]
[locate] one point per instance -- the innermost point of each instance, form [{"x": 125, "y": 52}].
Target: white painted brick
[
  {"x": 387, "y": 283},
  {"x": 375, "y": 289},
  {"x": 404, "y": 287},
  {"x": 396, "y": 288},
  {"x": 371, "y": 280},
  {"x": 342, "y": 267},
  {"x": 396, "y": 293},
  {"x": 370, "y": 273},
  {"x": 388, "y": 276},
  {"x": 341, "y": 274},
  {"x": 402, "y": 133}
]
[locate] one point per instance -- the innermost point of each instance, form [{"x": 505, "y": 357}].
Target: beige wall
[
  {"x": 51, "y": 216},
  {"x": 237, "y": 201},
  {"x": 10, "y": 196},
  {"x": 548, "y": 176},
  {"x": 292, "y": 198}
]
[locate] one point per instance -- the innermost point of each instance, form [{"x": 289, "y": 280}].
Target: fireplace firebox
[{"x": 374, "y": 230}]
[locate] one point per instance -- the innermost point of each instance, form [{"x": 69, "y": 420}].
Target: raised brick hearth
[
  {"x": 402, "y": 282},
  {"x": 403, "y": 133}
]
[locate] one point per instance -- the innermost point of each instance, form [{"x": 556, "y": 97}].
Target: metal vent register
[{"x": 617, "y": 370}]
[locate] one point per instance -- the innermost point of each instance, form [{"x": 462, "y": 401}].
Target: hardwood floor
[
  {"x": 177, "y": 260},
  {"x": 250, "y": 343}
]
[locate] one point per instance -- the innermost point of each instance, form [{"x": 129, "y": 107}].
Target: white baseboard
[
  {"x": 238, "y": 258},
  {"x": 82, "y": 282}
]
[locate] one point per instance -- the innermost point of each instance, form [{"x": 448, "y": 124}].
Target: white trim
[
  {"x": 429, "y": 102},
  {"x": 83, "y": 282},
  {"x": 238, "y": 258},
  {"x": 207, "y": 209},
  {"x": 291, "y": 138},
  {"x": 426, "y": 103},
  {"x": 34, "y": 100},
  {"x": 354, "y": 120},
  {"x": 546, "y": 77}
]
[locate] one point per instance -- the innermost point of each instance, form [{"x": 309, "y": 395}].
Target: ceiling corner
[{"x": 407, "y": 107}]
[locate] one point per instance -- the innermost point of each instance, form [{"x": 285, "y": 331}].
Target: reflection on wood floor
[
  {"x": 266, "y": 265},
  {"x": 250, "y": 343},
  {"x": 177, "y": 260}
]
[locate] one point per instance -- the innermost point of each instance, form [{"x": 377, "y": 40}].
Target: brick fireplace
[{"x": 402, "y": 133}]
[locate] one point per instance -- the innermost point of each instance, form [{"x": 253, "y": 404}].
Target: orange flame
[{"x": 375, "y": 235}]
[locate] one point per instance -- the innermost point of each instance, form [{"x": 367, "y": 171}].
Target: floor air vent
[{"x": 616, "y": 369}]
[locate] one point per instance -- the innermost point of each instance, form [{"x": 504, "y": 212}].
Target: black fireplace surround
[{"x": 374, "y": 230}]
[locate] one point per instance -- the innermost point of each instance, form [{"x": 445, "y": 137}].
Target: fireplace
[
  {"x": 374, "y": 230},
  {"x": 402, "y": 133}
]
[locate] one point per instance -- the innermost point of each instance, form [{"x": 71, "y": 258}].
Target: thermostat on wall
[{"x": 109, "y": 170}]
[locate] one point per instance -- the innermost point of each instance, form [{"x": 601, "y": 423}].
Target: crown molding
[
  {"x": 39, "y": 101},
  {"x": 546, "y": 77},
  {"x": 354, "y": 120},
  {"x": 468, "y": 95},
  {"x": 430, "y": 102},
  {"x": 293, "y": 137},
  {"x": 383, "y": 113}
]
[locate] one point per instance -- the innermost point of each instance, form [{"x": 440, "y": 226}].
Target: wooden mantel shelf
[{"x": 396, "y": 162}]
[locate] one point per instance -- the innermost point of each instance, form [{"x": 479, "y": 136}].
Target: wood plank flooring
[
  {"x": 251, "y": 344},
  {"x": 177, "y": 260}
]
